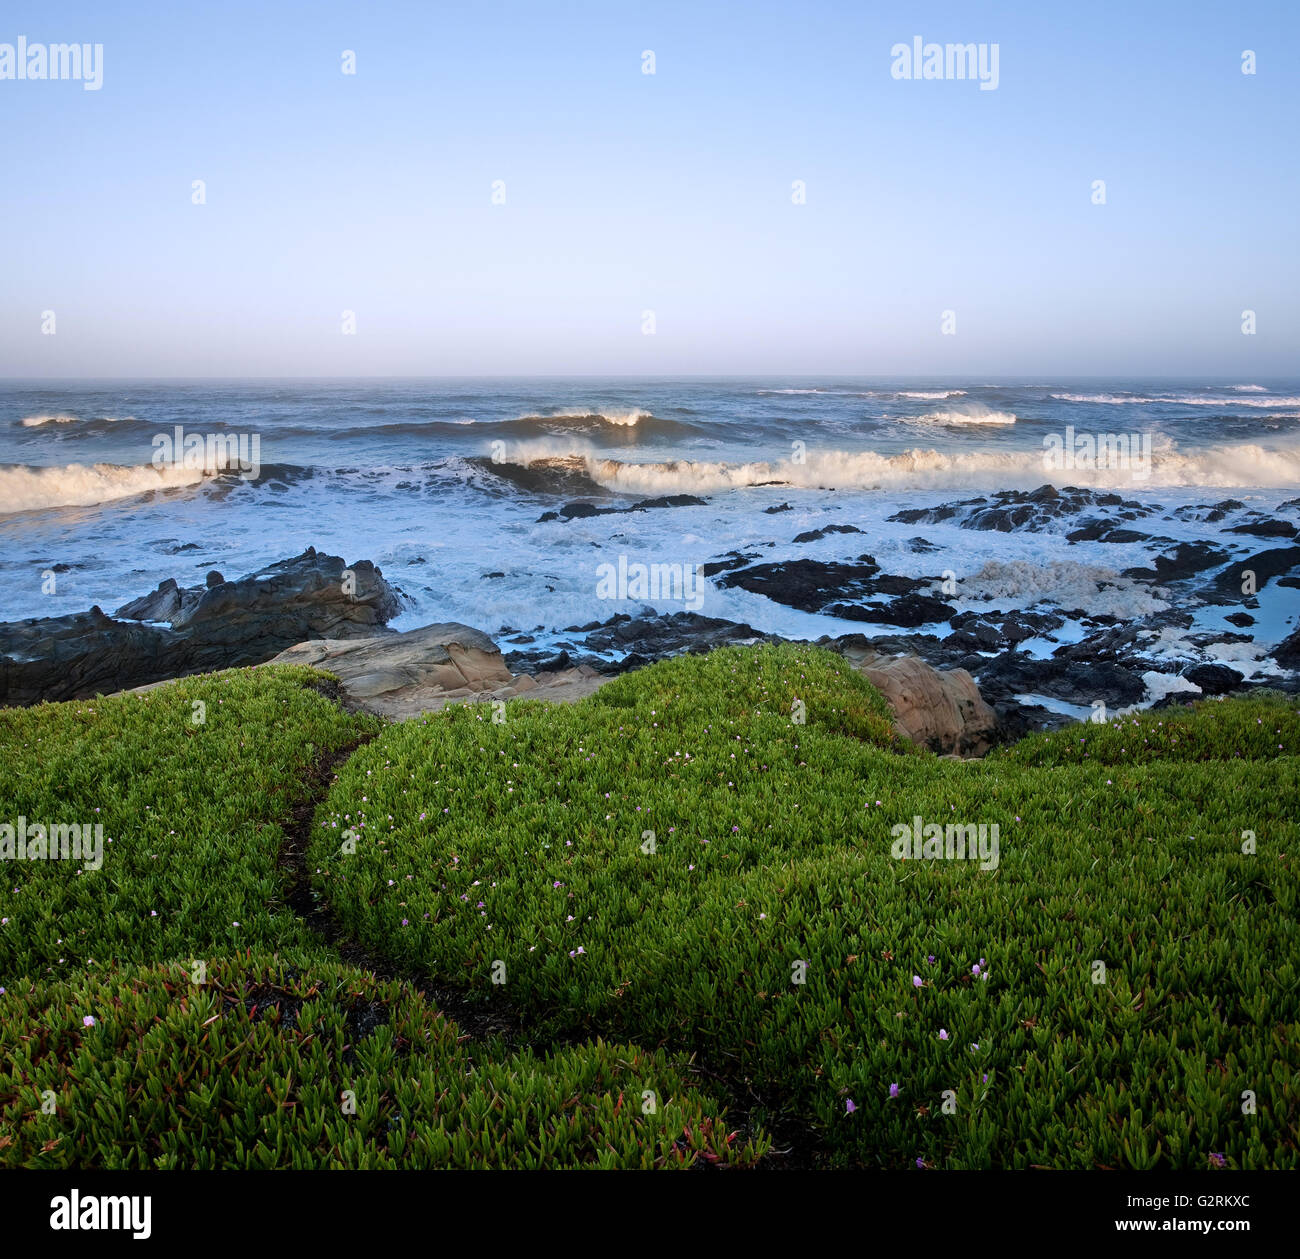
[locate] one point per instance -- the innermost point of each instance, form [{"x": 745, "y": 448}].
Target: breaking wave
[
  {"x": 24, "y": 488},
  {"x": 1191, "y": 400},
  {"x": 1222, "y": 466},
  {"x": 969, "y": 415}
]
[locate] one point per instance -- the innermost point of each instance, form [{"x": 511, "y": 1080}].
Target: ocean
[{"x": 444, "y": 484}]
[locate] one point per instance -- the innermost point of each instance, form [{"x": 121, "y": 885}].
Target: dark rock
[
  {"x": 211, "y": 627},
  {"x": 1030, "y": 512},
  {"x": 933, "y": 515},
  {"x": 1071, "y": 681},
  {"x": 1266, "y": 528},
  {"x": 734, "y": 560},
  {"x": 804, "y": 584},
  {"x": 670, "y": 634},
  {"x": 909, "y": 611},
  {"x": 583, "y": 511},
  {"x": 771, "y": 511},
  {"x": 813, "y": 535},
  {"x": 1213, "y": 679},
  {"x": 1186, "y": 560},
  {"x": 1242, "y": 619},
  {"x": 1287, "y": 652},
  {"x": 1266, "y": 565},
  {"x": 163, "y": 604},
  {"x": 1209, "y": 513}
]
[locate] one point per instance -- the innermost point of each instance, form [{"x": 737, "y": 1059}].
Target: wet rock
[
  {"x": 909, "y": 611},
  {"x": 215, "y": 626},
  {"x": 1185, "y": 560},
  {"x": 583, "y": 511},
  {"x": 1213, "y": 679},
  {"x": 1266, "y": 528},
  {"x": 1077, "y": 682},
  {"x": 806, "y": 584},
  {"x": 1287, "y": 652},
  {"x": 1283, "y": 561},
  {"x": 1209, "y": 513},
  {"x": 814, "y": 535}
]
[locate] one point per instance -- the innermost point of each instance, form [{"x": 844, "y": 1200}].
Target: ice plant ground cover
[
  {"x": 524, "y": 842},
  {"x": 642, "y": 879},
  {"x": 169, "y": 1010}
]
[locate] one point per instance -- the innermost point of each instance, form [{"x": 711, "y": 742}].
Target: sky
[{"x": 665, "y": 201}]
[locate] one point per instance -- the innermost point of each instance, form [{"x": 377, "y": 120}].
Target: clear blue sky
[{"x": 628, "y": 192}]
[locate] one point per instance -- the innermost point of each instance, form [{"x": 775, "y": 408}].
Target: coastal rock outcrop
[
  {"x": 174, "y": 631},
  {"x": 940, "y": 709}
]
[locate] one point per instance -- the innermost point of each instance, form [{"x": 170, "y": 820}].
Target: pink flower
[
  {"x": 88, "y": 1021},
  {"x": 849, "y": 1106},
  {"x": 943, "y": 1033}
]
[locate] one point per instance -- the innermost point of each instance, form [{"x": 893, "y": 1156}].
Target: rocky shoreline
[{"x": 1036, "y": 666}]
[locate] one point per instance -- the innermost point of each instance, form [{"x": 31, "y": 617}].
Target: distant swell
[
  {"x": 1191, "y": 400},
  {"x": 36, "y": 421}
]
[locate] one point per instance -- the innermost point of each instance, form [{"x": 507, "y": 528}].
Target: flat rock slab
[{"x": 421, "y": 671}]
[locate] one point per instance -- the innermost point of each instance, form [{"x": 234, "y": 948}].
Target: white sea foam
[
  {"x": 24, "y": 488},
  {"x": 926, "y": 395},
  {"x": 1066, "y": 583},
  {"x": 1249, "y": 466},
  {"x": 1161, "y": 684}
]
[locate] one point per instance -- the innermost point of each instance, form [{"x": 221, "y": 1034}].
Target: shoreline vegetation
[{"x": 661, "y": 926}]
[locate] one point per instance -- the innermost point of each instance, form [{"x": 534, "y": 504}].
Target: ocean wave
[
  {"x": 627, "y": 418},
  {"x": 1243, "y": 466},
  {"x": 36, "y": 421},
  {"x": 550, "y": 474},
  {"x": 968, "y": 415},
  {"x": 1190, "y": 400},
  {"x": 1248, "y": 388},
  {"x": 927, "y": 395},
  {"x": 25, "y": 488}
]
